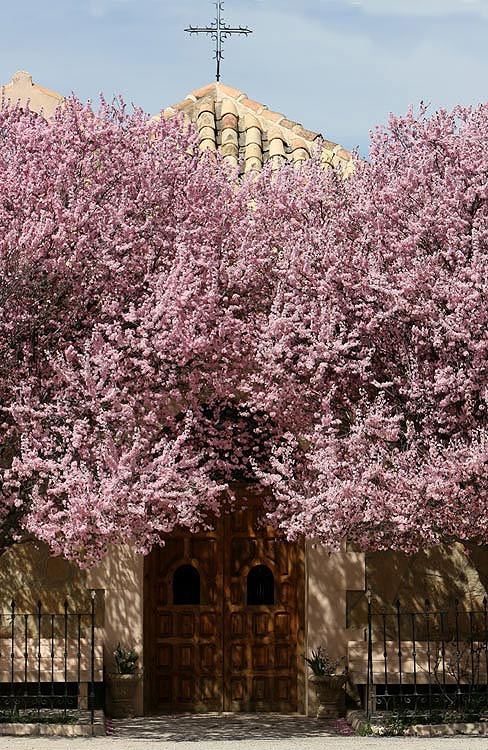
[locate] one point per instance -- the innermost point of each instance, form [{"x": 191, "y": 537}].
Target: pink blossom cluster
[{"x": 168, "y": 330}]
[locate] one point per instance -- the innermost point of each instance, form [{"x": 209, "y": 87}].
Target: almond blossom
[{"x": 170, "y": 332}]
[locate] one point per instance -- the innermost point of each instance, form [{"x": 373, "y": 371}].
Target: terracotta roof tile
[
  {"x": 343, "y": 154},
  {"x": 308, "y": 135},
  {"x": 298, "y": 143},
  {"x": 206, "y": 118},
  {"x": 206, "y": 105},
  {"x": 328, "y": 144},
  {"x": 235, "y": 93},
  {"x": 251, "y": 121},
  {"x": 274, "y": 132},
  {"x": 274, "y": 116},
  {"x": 252, "y": 164},
  {"x": 250, "y": 104},
  {"x": 230, "y": 149},
  {"x": 230, "y": 136},
  {"x": 229, "y": 107},
  {"x": 276, "y": 148},
  {"x": 207, "y": 143},
  {"x": 198, "y": 93},
  {"x": 289, "y": 124},
  {"x": 230, "y": 121},
  {"x": 183, "y": 106},
  {"x": 207, "y": 132},
  {"x": 254, "y": 150},
  {"x": 247, "y": 129}
]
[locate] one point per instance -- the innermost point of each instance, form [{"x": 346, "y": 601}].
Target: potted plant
[
  {"x": 329, "y": 686},
  {"x": 123, "y": 683}
]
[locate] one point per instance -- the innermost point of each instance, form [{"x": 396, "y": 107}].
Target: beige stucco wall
[
  {"x": 335, "y": 590},
  {"x": 336, "y": 584},
  {"x": 337, "y": 602},
  {"x": 121, "y": 576},
  {"x": 29, "y": 573},
  {"x": 329, "y": 576},
  {"x": 440, "y": 574},
  {"x": 22, "y": 90}
]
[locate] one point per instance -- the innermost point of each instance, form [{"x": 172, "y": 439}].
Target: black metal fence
[
  {"x": 430, "y": 663},
  {"x": 47, "y": 664}
]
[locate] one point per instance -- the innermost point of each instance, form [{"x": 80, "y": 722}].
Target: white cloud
[{"x": 433, "y": 8}]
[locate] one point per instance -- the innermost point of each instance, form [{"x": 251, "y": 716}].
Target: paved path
[
  {"x": 311, "y": 743},
  {"x": 236, "y": 732},
  {"x": 217, "y": 728}
]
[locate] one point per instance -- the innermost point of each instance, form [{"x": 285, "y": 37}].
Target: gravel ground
[
  {"x": 306, "y": 743},
  {"x": 236, "y": 732}
]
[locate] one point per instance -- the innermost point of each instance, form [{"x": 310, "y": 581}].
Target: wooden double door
[{"x": 223, "y": 626}]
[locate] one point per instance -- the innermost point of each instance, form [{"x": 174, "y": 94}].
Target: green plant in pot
[
  {"x": 329, "y": 686},
  {"x": 123, "y": 683},
  {"x": 126, "y": 660}
]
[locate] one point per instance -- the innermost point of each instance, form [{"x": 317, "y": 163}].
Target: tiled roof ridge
[
  {"x": 223, "y": 91},
  {"x": 244, "y": 129}
]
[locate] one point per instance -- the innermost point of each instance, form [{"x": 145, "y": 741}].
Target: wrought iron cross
[{"x": 219, "y": 31}]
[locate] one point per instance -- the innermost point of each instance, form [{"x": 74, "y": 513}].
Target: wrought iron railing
[
  {"x": 429, "y": 663},
  {"x": 50, "y": 664}
]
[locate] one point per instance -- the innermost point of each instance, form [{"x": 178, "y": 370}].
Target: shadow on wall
[
  {"x": 120, "y": 576},
  {"x": 29, "y": 573},
  {"x": 440, "y": 574},
  {"x": 331, "y": 580}
]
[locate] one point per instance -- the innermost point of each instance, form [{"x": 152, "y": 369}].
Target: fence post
[
  {"x": 26, "y": 657},
  {"x": 65, "y": 658},
  {"x": 429, "y": 655},
  {"x": 471, "y": 651},
  {"x": 12, "y": 657},
  {"x": 485, "y": 636},
  {"x": 369, "y": 680},
  {"x": 92, "y": 664},
  {"x": 399, "y": 652},
  {"x": 458, "y": 656},
  {"x": 385, "y": 665},
  {"x": 443, "y": 649},
  {"x": 414, "y": 657},
  {"x": 39, "y": 616},
  {"x": 53, "y": 702}
]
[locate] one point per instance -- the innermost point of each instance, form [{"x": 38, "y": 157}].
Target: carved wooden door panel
[
  {"x": 183, "y": 624},
  {"x": 263, "y": 586},
  {"x": 223, "y": 619}
]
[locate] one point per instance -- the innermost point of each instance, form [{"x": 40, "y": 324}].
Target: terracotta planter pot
[
  {"x": 122, "y": 691},
  {"x": 329, "y": 689}
]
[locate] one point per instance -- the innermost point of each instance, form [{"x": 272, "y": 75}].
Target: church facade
[{"x": 222, "y": 620}]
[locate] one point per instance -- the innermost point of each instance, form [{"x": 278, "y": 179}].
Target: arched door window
[
  {"x": 186, "y": 585},
  {"x": 260, "y": 585}
]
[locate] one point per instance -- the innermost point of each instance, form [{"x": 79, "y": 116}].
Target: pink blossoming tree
[
  {"x": 379, "y": 330},
  {"x": 167, "y": 331}
]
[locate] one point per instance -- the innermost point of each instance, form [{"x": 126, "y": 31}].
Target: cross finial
[{"x": 219, "y": 31}]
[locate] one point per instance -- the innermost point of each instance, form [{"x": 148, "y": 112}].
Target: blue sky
[{"x": 337, "y": 66}]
